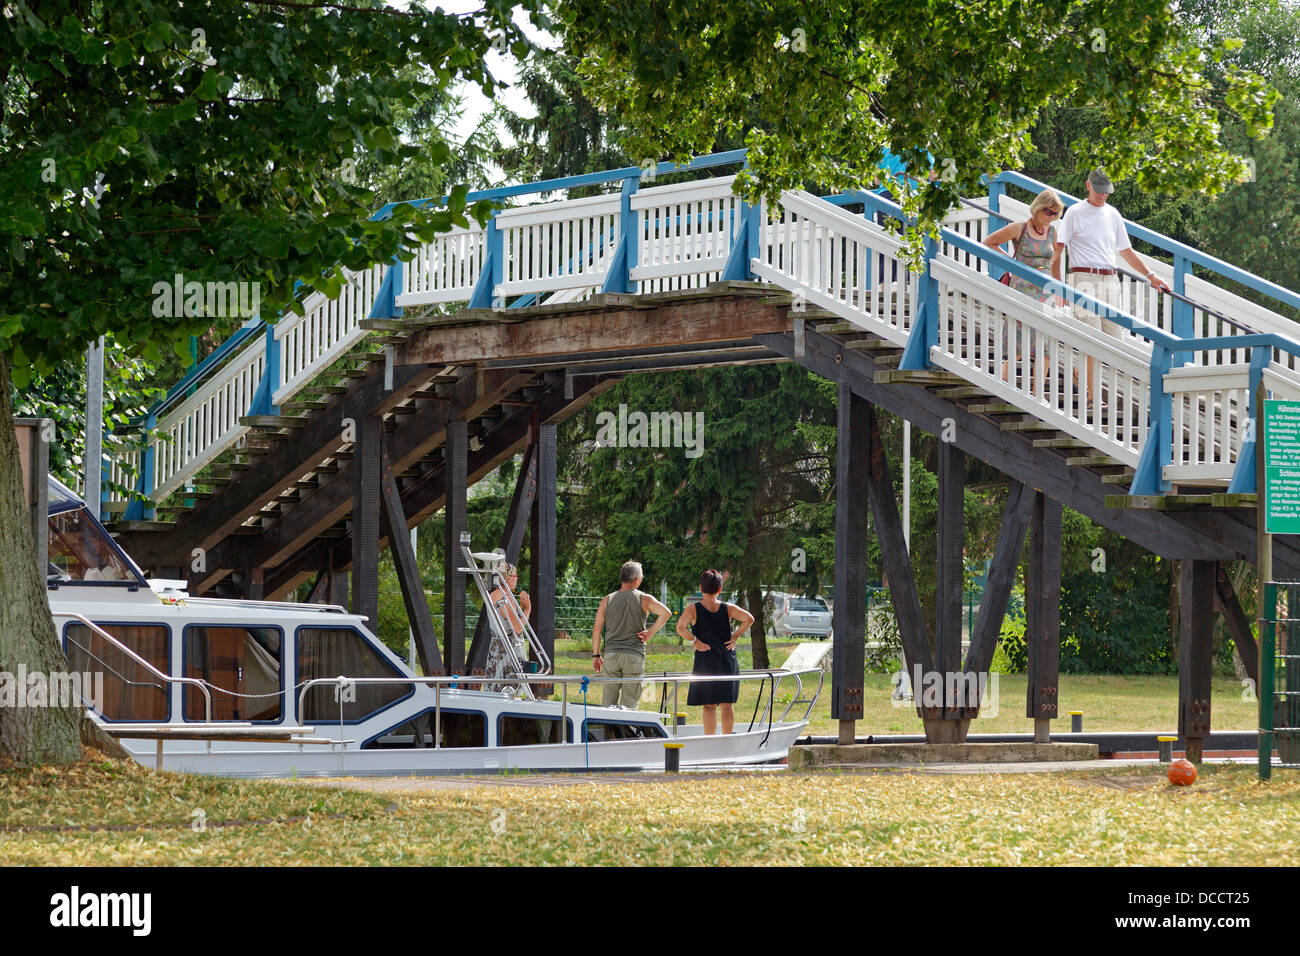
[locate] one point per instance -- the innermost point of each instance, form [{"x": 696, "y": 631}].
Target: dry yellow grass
[{"x": 1121, "y": 816}]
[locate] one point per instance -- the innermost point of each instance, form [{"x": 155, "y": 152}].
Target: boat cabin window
[
  {"x": 516, "y": 730},
  {"x": 243, "y": 664},
  {"x": 81, "y": 550},
  {"x": 131, "y": 692},
  {"x": 598, "y": 730},
  {"x": 460, "y": 728},
  {"x": 331, "y": 651}
]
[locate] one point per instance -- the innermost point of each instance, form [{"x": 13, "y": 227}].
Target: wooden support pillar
[
  {"x": 855, "y": 425},
  {"x": 339, "y": 579},
  {"x": 948, "y": 575},
  {"x": 512, "y": 538},
  {"x": 365, "y": 518},
  {"x": 456, "y": 470},
  {"x": 541, "y": 545},
  {"x": 256, "y": 591},
  {"x": 1195, "y": 655},
  {"x": 1043, "y": 612},
  {"x": 896, "y": 559},
  {"x": 1002, "y": 576},
  {"x": 1226, "y": 601},
  {"x": 408, "y": 570}
]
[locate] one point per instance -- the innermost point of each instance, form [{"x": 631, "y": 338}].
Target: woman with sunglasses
[{"x": 1034, "y": 244}]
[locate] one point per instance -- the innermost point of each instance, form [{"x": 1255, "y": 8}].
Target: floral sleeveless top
[{"x": 1037, "y": 254}]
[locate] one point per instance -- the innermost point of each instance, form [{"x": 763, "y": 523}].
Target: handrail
[
  {"x": 1178, "y": 296},
  {"x": 249, "y": 602},
  {"x": 1194, "y": 256},
  {"x": 140, "y": 660},
  {"x": 775, "y": 674}
]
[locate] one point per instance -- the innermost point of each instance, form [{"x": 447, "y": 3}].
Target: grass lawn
[
  {"x": 1108, "y": 701},
  {"x": 117, "y": 814}
]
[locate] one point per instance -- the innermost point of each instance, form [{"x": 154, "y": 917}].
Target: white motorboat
[{"x": 278, "y": 689}]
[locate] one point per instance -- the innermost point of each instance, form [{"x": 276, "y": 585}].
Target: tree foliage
[{"x": 822, "y": 90}]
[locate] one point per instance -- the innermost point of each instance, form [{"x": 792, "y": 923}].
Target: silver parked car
[{"x": 808, "y": 617}]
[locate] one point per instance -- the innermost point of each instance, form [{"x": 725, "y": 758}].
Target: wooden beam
[
  {"x": 408, "y": 570},
  {"x": 1001, "y": 579},
  {"x": 1225, "y": 600},
  {"x": 1212, "y": 535},
  {"x": 1195, "y": 655},
  {"x": 948, "y": 567},
  {"x": 541, "y": 567},
  {"x": 365, "y": 519},
  {"x": 234, "y": 504},
  {"x": 453, "y": 604},
  {"x": 854, "y": 430},
  {"x": 692, "y": 320},
  {"x": 1043, "y": 606},
  {"x": 893, "y": 551}
]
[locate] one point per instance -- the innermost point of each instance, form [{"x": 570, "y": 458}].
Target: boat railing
[
  {"x": 207, "y": 697},
  {"x": 272, "y": 605},
  {"x": 773, "y": 677}
]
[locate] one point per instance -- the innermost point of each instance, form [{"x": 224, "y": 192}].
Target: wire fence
[{"x": 1279, "y": 678}]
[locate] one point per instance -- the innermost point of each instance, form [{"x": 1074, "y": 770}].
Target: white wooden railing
[
  {"x": 830, "y": 258},
  {"x": 311, "y": 342},
  {"x": 840, "y": 262}
]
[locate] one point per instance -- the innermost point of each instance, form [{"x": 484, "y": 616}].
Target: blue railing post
[
  {"x": 997, "y": 189},
  {"x": 263, "y": 402},
  {"x": 493, "y": 272},
  {"x": 385, "y": 305},
  {"x": 619, "y": 277},
  {"x": 138, "y": 510},
  {"x": 1183, "y": 321},
  {"x": 1243, "y": 476},
  {"x": 1158, "y": 449},
  {"x": 925, "y": 330},
  {"x": 744, "y": 245}
]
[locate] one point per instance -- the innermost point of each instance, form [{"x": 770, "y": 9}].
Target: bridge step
[
  {"x": 1093, "y": 461},
  {"x": 996, "y": 408},
  {"x": 144, "y": 525},
  {"x": 355, "y": 373},
  {"x": 273, "y": 421},
  {"x": 1034, "y": 426},
  {"x": 1067, "y": 443},
  {"x": 385, "y": 325},
  {"x": 966, "y": 391},
  {"x": 305, "y": 405},
  {"x": 1124, "y": 479},
  {"x": 1182, "y": 502},
  {"x": 922, "y": 377}
]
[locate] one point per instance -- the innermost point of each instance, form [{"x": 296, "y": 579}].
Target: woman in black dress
[{"x": 707, "y": 624}]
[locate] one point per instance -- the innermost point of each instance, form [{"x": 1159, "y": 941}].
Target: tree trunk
[
  {"x": 28, "y": 735},
  {"x": 758, "y": 636}
]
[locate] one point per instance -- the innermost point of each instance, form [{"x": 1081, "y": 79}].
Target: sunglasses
[{"x": 1051, "y": 212}]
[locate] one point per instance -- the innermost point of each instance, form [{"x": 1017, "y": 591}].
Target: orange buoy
[{"x": 1182, "y": 772}]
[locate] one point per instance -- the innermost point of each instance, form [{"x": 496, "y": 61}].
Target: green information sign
[{"x": 1282, "y": 466}]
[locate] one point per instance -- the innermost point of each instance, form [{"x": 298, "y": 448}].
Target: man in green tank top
[{"x": 622, "y": 618}]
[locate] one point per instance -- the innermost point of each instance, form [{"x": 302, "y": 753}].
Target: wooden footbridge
[{"x": 302, "y": 447}]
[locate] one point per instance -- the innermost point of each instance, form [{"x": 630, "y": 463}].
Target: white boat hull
[{"x": 248, "y": 759}]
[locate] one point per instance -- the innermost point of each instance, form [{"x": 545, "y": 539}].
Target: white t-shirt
[{"x": 1093, "y": 234}]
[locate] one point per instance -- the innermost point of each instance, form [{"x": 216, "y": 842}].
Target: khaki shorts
[
  {"x": 622, "y": 664},
  {"x": 1104, "y": 289}
]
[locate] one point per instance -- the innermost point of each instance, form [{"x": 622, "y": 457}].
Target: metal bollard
[
  {"x": 1165, "y": 748},
  {"x": 673, "y": 757},
  {"x": 1076, "y": 721},
  {"x": 681, "y": 718}
]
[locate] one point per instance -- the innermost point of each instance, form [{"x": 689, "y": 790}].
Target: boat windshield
[{"x": 82, "y": 551}]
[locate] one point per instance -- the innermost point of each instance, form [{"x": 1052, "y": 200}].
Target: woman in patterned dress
[{"x": 1034, "y": 242}]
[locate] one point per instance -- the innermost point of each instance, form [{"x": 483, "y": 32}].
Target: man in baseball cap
[{"x": 1094, "y": 232}]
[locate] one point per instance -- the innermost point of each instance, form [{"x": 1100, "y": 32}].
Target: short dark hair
[{"x": 710, "y": 582}]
